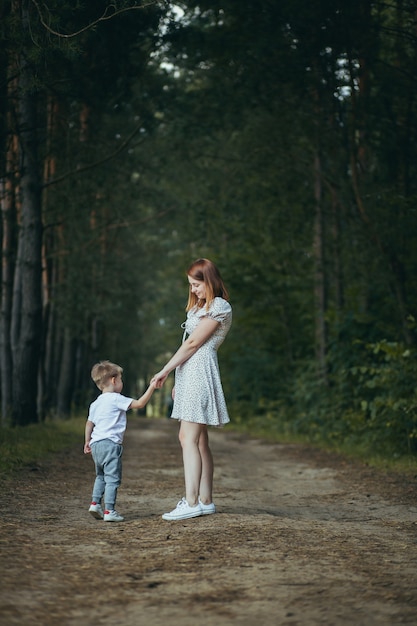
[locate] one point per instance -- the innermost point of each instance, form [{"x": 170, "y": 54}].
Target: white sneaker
[
  {"x": 113, "y": 516},
  {"x": 96, "y": 510},
  {"x": 207, "y": 509},
  {"x": 183, "y": 511}
]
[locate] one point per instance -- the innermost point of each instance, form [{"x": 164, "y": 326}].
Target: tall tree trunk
[
  {"x": 47, "y": 373},
  {"x": 359, "y": 166},
  {"x": 337, "y": 263},
  {"x": 66, "y": 376},
  {"x": 27, "y": 300},
  {"x": 319, "y": 276},
  {"x": 8, "y": 207}
]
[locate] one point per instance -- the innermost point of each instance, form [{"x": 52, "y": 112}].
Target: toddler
[{"x": 104, "y": 432}]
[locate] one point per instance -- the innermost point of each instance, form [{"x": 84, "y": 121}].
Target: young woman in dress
[{"x": 198, "y": 394}]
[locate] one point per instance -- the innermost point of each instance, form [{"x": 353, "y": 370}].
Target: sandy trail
[{"x": 301, "y": 538}]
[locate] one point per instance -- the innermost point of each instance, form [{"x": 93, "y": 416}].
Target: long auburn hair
[{"x": 205, "y": 271}]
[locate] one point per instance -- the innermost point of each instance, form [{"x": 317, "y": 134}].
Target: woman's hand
[{"x": 159, "y": 379}]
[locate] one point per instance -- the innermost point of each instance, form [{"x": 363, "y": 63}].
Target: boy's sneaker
[
  {"x": 183, "y": 511},
  {"x": 207, "y": 509},
  {"x": 112, "y": 516},
  {"x": 96, "y": 510}
]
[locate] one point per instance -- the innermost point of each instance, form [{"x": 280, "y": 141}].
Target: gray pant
[{"x": 107, "y": 457}]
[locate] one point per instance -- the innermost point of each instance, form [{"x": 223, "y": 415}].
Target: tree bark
[
  {"x": 66, "y": 377},
  {"x": 27, "y": 301},
  {"x": 319, "y": 276},
  {"x": 7, "y": 203}
]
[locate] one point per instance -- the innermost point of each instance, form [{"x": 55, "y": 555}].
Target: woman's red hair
[{"x": 205, "y": 271}]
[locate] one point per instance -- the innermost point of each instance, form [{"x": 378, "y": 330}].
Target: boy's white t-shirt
[{"x": 108, "y": 414}]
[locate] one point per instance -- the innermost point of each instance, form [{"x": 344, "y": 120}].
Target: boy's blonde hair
[{"x": 104, "y": 370}]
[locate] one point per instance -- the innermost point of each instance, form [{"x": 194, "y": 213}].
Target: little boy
[{"x": 104, "y": 431}]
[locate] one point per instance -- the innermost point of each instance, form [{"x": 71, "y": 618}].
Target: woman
[{"x": 198, "y": 395}]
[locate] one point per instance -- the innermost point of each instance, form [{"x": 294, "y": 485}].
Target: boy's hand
[{"x": 87, "y": 449}]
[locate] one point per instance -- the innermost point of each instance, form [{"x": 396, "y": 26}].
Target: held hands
[{"x": 159, "y": 379}]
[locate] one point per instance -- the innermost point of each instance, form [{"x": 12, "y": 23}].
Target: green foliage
[
  {"x": 370, "y": 406},
  {"x": 22, "y": 446},
  {"x": 229, "y": 111},
  {"x": 386, "y": 397}
]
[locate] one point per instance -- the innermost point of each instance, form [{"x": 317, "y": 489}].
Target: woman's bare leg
[
  {"x": 206, "y": 481},
  {"x": 189, "y": 437}
]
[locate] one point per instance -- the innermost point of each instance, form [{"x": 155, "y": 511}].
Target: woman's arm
[{"x": 204, "y": 330}]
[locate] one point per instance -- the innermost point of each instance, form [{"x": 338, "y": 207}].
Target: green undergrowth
[
  {"x": 385, "y": 460},
  {"x": 27, "y": 445}
]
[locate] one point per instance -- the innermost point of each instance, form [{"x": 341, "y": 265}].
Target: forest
[{"x": 277, "y": 138}]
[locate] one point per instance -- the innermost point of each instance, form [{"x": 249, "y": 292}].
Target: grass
[
  {"x": 27, "y": 445},
  {"x": 23, "y": 446},
  {"x": 385, "y": 460}
]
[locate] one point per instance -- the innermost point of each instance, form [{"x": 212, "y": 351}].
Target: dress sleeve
[{"x": 219, "y": 310}]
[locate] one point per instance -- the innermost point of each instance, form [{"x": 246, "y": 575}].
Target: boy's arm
[
  {"x": 143, "y": 400},
  {"x": 89, "y": 426}
]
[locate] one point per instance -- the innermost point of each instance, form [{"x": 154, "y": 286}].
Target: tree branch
[
  {"x": 90, "y": 166},
  {"x": 106, "y": 16}
]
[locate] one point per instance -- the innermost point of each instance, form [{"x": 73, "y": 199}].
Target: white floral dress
[{"x": 199, "y": 393}]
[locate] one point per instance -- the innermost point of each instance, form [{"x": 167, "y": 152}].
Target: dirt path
[{"x": 301, "y": 538}]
